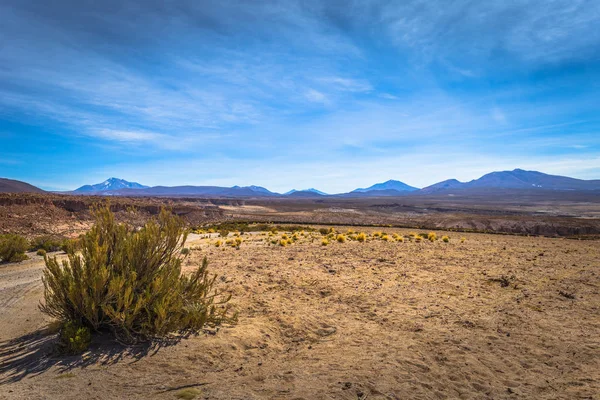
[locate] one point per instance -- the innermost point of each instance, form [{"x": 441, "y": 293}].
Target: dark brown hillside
[{"x": 12, "y": 186}]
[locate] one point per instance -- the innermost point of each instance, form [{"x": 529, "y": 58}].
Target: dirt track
[{"x": 348, "y": 320}]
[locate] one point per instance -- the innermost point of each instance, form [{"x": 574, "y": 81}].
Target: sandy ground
[{"x": 377, "y": 320}]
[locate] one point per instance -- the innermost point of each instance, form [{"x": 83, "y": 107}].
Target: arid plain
[{"x": 479, "y": 316}]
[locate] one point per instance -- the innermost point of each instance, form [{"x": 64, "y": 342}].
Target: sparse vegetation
[
  {"x": 432, "y": 236},
  {"x": 361, "y": 237},
  {"x": 41, "y": 252},
  {"x": 240, "y": 227},
  {"x": 341, "y": 238},
  {"x": 129, "y": 282},
  {"x": 13, "y": 248},
  {"x": 445, "y": 239},
  {"x": 324, "y": 242}
]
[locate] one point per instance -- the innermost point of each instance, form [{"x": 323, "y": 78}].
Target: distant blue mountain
[
  {"x": 388, "y": 185},
  {"x": 255, "y": 189},
  {"x": 307, "y": 191}
]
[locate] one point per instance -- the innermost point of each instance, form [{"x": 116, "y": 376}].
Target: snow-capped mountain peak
[{"x": 110, "y": 185}]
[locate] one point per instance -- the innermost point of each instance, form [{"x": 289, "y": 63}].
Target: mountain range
[{"x": 517, "y": 179}]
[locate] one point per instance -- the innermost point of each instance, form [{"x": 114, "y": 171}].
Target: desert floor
[{"x": 493, "y": 317}]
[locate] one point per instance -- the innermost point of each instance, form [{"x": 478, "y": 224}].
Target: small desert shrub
[
  {"x": 412, "y": 234},
  {"x": 129, "y": 282},
  {"x": 377, "y": 234},
  {"x": 323, "y": 231},
  {"x": 446, "y": 239},
  {"x": 284, "y": 236},
  {"x": 74, "y": 338},
  {"x": 432, "y": 236},
  {"x": 13, "y": 248},
  {"x": 332, "y": 230},
  {"x": 47, "y": 243},
  {"x": 462, "y": 239},
  {"x": 341, "y": 238},
  {"x": 350, "y": 232},
  {"x": 418, "y": 238},
  {"x": 324, "y": 242},
  {"x": 283, "y": 242},
  {"x": 218, "y": 243},
  {"x": 361, "y": 237},
  {"x": 385, "y": 237},
  {"x": 41, "y": 252},
  {"x": 400, "y": 239},
  {"x": 185, "y": 251},
  {"x": 238, "y": 241}
]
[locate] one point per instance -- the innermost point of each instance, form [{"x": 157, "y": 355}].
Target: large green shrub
[
  {"x": 130, "y": 283},
  {"x": 13, "y": 248}
]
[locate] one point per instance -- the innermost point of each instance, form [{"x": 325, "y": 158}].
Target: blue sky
[{"x": 293, "y": 94}]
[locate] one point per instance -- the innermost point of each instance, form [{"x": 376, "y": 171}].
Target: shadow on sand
[{"x": 35, "y": 353}]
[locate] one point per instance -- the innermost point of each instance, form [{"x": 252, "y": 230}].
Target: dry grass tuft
[{"x": 187, "y": 394}]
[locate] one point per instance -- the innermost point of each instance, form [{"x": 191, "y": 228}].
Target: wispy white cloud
[
  {"x": 316, "y": 96},
  {"x": 346, "y": 84}
]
